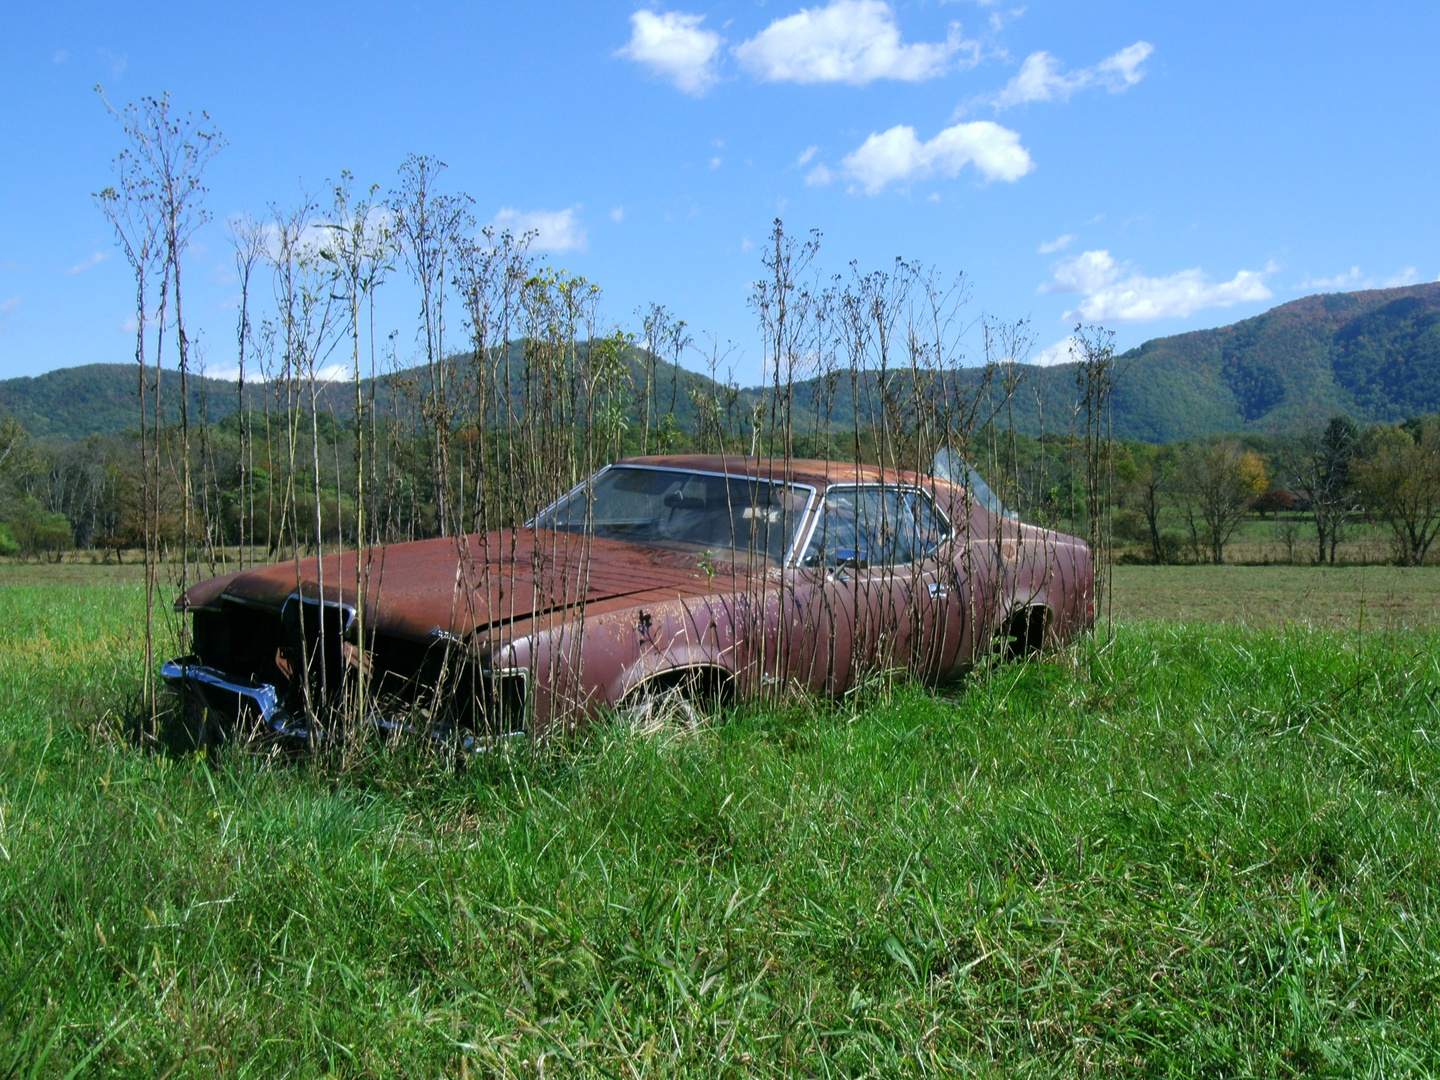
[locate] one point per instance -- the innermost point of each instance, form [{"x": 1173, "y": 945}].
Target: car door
[{"x": 876, "y": 590}]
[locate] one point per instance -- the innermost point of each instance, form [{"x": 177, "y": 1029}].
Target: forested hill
[
  {"x": 1374, "y": 355},
  {"x": 102, "y": 399}
]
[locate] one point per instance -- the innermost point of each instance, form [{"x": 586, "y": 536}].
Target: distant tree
[
  {"x": 17, "y": 458},
  {"x": 1398, "y": 479},
  {"x": 1320, "y": 461},
  {"x": 1213, "y": 486},
  {"x": 37, "y": 531},
  {"x": 22, "y": 467},
  {"x": 666, "y": 338},
  {"x": 78, "y": 481},
  {"x": 1287, "y": 533},
  {"x": 1147, "y": 492},
  {"x": 1274, "y": 501}
]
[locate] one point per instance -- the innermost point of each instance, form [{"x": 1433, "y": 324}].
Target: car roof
[{"x": 814, "y": 472}]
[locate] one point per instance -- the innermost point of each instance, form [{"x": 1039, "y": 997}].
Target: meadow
[{"x": 1201, "y": 844}]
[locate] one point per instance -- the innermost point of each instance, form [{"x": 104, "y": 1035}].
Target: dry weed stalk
[{"x": 868, "y": 368}]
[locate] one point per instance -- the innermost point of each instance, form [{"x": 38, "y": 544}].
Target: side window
[
  {"x": 836, "y": 540},
  {"x": 929, "y": 528},
  {"x": 875, "y": 526}
]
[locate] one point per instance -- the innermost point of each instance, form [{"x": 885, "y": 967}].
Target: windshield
[
  {"x": 951, "y": 467},
  {"x": 685, "y": 511}
]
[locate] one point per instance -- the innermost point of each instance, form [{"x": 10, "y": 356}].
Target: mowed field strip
[
  {"x": 1204, "y": 846},
  {"x": 1343, "y": 597}
]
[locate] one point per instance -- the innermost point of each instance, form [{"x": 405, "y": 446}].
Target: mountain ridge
[{"x": 1373, "y": 355}]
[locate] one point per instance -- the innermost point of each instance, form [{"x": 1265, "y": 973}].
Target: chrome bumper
[{"x": 227, "y": 693}]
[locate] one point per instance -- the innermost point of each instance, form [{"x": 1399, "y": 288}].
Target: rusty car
[{"x": 702, "y": 577}]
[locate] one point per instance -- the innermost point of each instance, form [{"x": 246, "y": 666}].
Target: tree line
[
  {"x": 1180, "y": 502},
  {"x": 1337, "y": 477}
]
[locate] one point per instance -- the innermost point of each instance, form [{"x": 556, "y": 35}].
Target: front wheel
[{"x": 680, "y": 701}]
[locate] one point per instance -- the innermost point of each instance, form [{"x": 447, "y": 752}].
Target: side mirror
[{"x": 851, "y": 558}]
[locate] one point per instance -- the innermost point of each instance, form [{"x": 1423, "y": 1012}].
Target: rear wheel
[{"x": 1023, "y": 635}]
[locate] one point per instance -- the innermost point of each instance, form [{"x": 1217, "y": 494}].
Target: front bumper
[{"x": 233, "y": 696}]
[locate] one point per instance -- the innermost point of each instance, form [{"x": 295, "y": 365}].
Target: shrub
[{"x": 35, "y": 531}]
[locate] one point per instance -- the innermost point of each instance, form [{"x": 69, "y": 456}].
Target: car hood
[{"x": 462, "y": 584}]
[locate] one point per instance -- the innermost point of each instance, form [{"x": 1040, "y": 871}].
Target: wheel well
[
  {"x": 699, "y": 683},
  {"x": 1024, "y": 631}
]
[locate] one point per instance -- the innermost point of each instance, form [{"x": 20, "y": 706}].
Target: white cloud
[
  {"x": 716, "y": 162},
  {"x": 1353, "y": 279},
  {"x": 555, "y": 230},
  {"x": 819, "y": 176},
  {"x": 61, "y": 55},
  {"x": 6, "y": 307},
  {"x": 1122, "y": 69},
  {"x": 1040, "y": 77},
  {"x": 1339, "y": 282},
  {"x": 253, "y": 374},
  {"x": 117, "y": 64},
  {"x": 1060, "y": 243},
  {"x": 1062, "y": 352},
  {"x": 674, "y": 46},
  {"x": 805, "y": 156},
  {"x": 1085, "y": 273},
  {"x": 94, "y": 260},
  {"x": 850, "y": 41},
  {"x": 898, "y": 155},
  {"x": 617, "y": 215},
  {"x": 1113, "y": 294},
  {"x": 230, "y": 374},
  {"x": 312, "y": 240}
]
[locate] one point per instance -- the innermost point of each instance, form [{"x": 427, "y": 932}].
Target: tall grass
[{"x": 1189, "y": 850}]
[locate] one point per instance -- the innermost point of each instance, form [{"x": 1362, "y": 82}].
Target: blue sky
[{"x": 1153, "y": 167}]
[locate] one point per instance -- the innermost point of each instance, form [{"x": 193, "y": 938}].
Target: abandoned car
[{"x": 703, "y": 576}]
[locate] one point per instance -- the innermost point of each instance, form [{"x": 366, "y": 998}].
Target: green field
[
  {"x": 1195, "y": 848},
  {"x": 1356, "y": 598}
]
